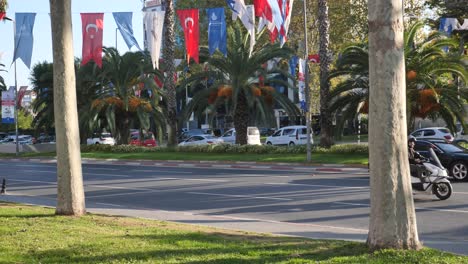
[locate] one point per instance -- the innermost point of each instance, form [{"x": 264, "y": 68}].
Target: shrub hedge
[{"x": 227, "y": 148}]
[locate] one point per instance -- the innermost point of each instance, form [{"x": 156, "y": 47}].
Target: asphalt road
[{"x": 317, "y": 204}]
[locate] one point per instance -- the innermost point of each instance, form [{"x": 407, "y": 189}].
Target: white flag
[
  {"x": 301, "y": 82},
  {"x": 249, "y": 22},
  {"x": 154, "y": 22}
]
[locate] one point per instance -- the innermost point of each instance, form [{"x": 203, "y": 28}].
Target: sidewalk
[{"x": 214, "y": 164}]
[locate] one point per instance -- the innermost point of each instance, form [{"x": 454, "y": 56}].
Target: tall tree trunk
[
  {"x": 241, "y": 119},
  {"x": 325, "y": 60},
  {"x": 169, "y": 83},
  {"x": 392, "y": 216},
  {"x": 70, "y": 193}
]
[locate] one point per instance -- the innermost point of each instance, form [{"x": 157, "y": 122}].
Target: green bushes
[{"x": 235, "y": 149}]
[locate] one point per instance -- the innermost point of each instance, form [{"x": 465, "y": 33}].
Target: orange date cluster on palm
[
  {"x": 133, "y": 103},
  {"x": 427, "y": 103}
]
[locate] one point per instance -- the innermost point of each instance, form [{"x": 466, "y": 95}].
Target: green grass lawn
[
  {"x": 295, "y": 158},
  {"x": 35, "y": 235}
]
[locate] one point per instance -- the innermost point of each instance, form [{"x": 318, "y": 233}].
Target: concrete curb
[{"x": 212, "y": 164}]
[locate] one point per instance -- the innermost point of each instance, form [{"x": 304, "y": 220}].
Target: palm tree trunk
[
  {"x": 241, "y": 119},
  {"x": 169, "y": 83},
  {"x": 392, "y": 216},
  {"x": 70, "y": 193},
  {"x": 325, "y": 60}
]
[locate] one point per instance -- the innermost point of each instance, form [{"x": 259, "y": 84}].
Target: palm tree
[
  {"x": 43, "y": 106},
  {"x": 2, "y": 81},
  {"x": 239, "y": 82},
  {"x": 116, "y": 102},
  {"x": 325, "y": 61},
  {"x": 430, "y": 88},
  {"x": 169, "y": 83}
]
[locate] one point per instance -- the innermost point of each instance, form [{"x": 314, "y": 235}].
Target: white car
[
  {"x": 103, "y": 138},
  {"x": 433, "y": 133},
  {"x": 201, "y": 140},
  {"x": 289, "y": 135},
  {"x": 253, "y": 136}
]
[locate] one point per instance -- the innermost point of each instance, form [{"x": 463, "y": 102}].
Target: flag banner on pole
[
  {"x": 237, "y": 7},
  {"x": 216, "y": 30},
  {"x": 277, "y": 19},
  {"x": 154, "y": 22},
  {"x": 92, "y": 27},
  {"x": 286, "y": 10},
  {"x": 8, "y": 106},
  {"x": 447, "y": 25},
  {"x": 189, "y": 21},
  {"x": 263, "y": 9},
  {"x": 248, "y": 19},
  {"x": 125, "y": 26},
  {"x": 293, "y": 64},
  {"x": 301, "y": 84},
  {"x": 24, "y": 37},
  {"x": 21, "y": 93}
]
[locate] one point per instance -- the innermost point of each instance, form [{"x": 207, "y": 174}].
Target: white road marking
[
  {"x": 241, "y": 196},
  {"x": 109, "y": 204},
  {"x": 318, "y": 185},
  {"x": 416, "y": 208},
  {"x": 165, "y": 171},
  {"x": 52, "y": 183}
]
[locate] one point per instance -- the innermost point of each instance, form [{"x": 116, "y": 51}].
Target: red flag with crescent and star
[
  {"x": 92, "y": 27},
  {"x": 189, "y": 21}
]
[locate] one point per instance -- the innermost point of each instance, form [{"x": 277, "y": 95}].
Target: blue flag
[
  {"x": 293, "y": 64},
  {"x": 124, "y": 23},
  {"x": 216, "y": 30},
  {"x": 24, "y": 37}
]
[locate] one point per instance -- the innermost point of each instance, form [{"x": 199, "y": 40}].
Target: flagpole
[
  {"x": 116, "y": 37},
  {"x": 307, "y": 93},
  {"x": 16, "y": 94}
]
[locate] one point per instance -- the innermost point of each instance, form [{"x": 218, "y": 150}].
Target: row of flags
[{"x": 274, "y": 14}]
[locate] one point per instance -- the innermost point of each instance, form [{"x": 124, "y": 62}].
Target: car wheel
[
  {"x": 291, "y": 144},
  {"x": 97, "y": 143},
  {"x": 269, "y": 143},
  {"x": 459, "y": 171}
]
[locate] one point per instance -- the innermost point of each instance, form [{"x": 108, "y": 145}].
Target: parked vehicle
[
  {"x": 3, "y": 135},
  {"x": 433, "y": 133},
  {"x": 289, "y": 135},
  {"x": 201, "y": 140},
  {"x": 452, "y": 157},
  {"x": 192, "y": 132},
  {"x": 253, "y": 136},
  {"x": 148, "y": 139},
  {"x": 434, "y": 179},
  {"x": 102, "y": 138}
]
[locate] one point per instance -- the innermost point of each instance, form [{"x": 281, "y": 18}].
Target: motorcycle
[{"x": 433, "y": 179}]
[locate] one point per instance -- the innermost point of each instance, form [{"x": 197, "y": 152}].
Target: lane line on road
[
  {"x": 318, "y": 185},
  {"x": 416, "y": 208},
  {"x": 241, "y": 196},
  {"x": 109, "y": 204},
  {"x": 164, "y": 171}
]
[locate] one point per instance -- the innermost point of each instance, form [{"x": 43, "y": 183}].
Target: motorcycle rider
[{"x": 415, "y": 159}]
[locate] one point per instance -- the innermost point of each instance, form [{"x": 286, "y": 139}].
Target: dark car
[{"x": 452, "y": 157}]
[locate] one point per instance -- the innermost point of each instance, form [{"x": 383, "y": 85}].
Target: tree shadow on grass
[{"x": 201, "y": 248}]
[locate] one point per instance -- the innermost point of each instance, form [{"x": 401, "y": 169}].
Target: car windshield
[
  {"x": 449, "y": 148},
  {"x": 444, "y": 130},
  {"x": 106, "y": 135},
  {"x": 209, "y": 137}
]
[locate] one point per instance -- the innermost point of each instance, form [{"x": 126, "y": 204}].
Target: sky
[{"x": 42, "y": 48}]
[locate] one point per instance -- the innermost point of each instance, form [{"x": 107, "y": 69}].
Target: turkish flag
[
  {"x": 189, "y": 21},
  {"x": 92, "y": 27}
]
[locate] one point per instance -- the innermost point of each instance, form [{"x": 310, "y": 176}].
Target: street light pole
[{"x": 306, "y": 80}]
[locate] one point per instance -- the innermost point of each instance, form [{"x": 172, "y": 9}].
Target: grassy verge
[
  {"x": 336, "y": 158},
  {"x": 36, "y": 235}
]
